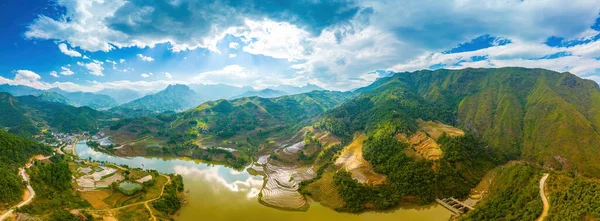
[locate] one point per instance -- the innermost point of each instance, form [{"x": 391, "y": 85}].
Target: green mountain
[
  {"x": 34, "y": 112},
  {"x": 92, "y": 100},
  {"x": 54, "y": 97},
  {"x": 19, "y": 90},
  {"x": 96, "y": 101},
  {"x": 264, "y": 93},
  {"x": 174, "y": 98},
  {"x": 245, "y": 124},
  {"x": 538, "y": 115},
  {"x": 227, "y": 118}
]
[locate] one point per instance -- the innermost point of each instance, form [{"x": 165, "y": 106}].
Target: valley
[{"x": 388, "y": 151}]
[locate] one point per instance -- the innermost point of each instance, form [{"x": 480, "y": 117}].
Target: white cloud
[
  {"x": 27, "y": 78},
  {"x": 66, "y": 71},
  {"x": 54, "y": 74},
  {"x": 65, "y": 50},
  {"x": 582, "y": 60},
  {"x": 94, "y": 67},
  {"x": 145, "y": 75},
  {"x": 241, "y": 76},
  {"x": 145, "y": 58},
  {"x": 232, "y": 55},
  {"x": 168, "y": 75},
  {"x": 399, "y": 35},
  {"x": 86, "y": 57},
  {"x": 121, "y": 61}
]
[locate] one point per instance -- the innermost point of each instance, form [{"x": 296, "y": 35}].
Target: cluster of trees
[
  {"x": 170, "y": 202},
  {"x": 514, "y": 195},
  {"x": 574, "y": 199},
  {"x": 408, "y": 177},
  {"x": 15, "y": 151},
  {"x": 52, "y": 184}
]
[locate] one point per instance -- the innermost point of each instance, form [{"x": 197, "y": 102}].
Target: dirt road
[{"x": 544, "y": 199}]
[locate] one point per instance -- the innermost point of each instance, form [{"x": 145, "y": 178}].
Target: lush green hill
[
  {"x": 245, "y": 124},
  {"x": 227, "y": 118},
  {"x": 54, "y": 97},
  {"x": 96, "y": 101},
  {"x": 14, "y": 153},
  {"x": 542, "y": 116},
  {"x": 27, "y": 111},
  {"x": 173, "y": 98},
  {"x": 92, "y": 100},
  {"x": 514, "y": 195}
]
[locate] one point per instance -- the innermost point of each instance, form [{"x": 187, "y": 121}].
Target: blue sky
[{"x": 147, "y": 44}]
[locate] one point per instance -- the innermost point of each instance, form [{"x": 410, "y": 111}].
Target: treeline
[
  {"x": 514, "y": 195},
  {"x": 407, "y": 177},
  {"x": 170, "y": 202}
]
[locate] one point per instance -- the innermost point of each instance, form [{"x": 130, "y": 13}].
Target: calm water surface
[{"x": 219, "y": 193}]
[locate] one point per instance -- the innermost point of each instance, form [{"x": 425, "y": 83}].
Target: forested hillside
[
  {"x": 542, "y": 116},
  {"x": 173, "y": 98},
  {"x": 34, "y": 113},
  {"x": 14, "y": 153}
]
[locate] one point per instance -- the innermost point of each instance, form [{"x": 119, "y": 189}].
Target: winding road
[
  {"x": 29, "y": 188},
  {"x": 544, "y": 198}
]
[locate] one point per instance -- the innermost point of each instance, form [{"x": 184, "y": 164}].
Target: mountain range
[
  {"x": 30, "y": 114},
  {"x": 421, "y": 135},
  {"x": 92, "y": 100}
]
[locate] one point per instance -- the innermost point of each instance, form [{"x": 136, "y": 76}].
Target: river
[{"x": 216, "y": 192}]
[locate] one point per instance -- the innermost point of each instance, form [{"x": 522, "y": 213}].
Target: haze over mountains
[
  {"x": 173, "y": 98},
  {"x": 396, "y": 126}
]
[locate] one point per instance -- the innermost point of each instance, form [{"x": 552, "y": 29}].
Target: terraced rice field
[
  {"x": 281, "y": 185},
  {"x": 352, "y": 160}
]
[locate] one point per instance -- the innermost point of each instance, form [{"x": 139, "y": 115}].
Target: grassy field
[{"x": 96, "y": 198}]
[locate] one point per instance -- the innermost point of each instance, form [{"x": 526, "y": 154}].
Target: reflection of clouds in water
[
  {"x": 235, "y": 172},
  {"x": 251, "y": 185},
  {"x": 90, "y": 153}
]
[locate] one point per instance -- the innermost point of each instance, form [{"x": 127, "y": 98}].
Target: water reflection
[
  {"x": 216, "y": 192},
  {"x": 219, "y": 178}
]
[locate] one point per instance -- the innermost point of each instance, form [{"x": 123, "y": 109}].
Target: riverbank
[{"x": 217, "y": 192}]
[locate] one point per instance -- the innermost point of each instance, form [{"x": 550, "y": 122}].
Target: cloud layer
[{"x": 334, "y": 44}]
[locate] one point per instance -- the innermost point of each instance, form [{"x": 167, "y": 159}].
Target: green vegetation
[
  {"x": 170, "y": 203},
  {"x": 173, "y": 98},
  {"x": 14, "y": 153},
  {"x": 573, "y": 198},
  {"x": 464, "y": 162},
  {"x": 514, "y": 195},
  {"x": 29, "y": 112},
  {"x": 531, "y": 114},
  {"x": 54, "y": 191}
]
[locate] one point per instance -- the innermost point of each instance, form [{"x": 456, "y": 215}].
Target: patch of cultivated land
[
  {"x": 424, "y": 141},
  {"x": 96, "y": 198},
  {"x": 352, "y": 160},
  {"x": 281, "y": 186},
  {"x": 324, "y": 191}
]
